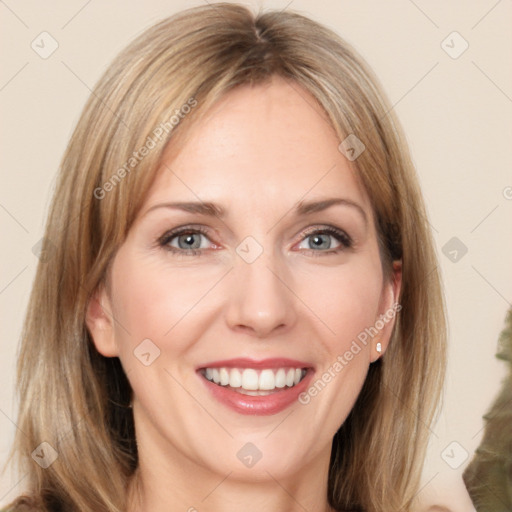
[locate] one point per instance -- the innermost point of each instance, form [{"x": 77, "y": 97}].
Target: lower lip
[{"x": 258, "y": 405}]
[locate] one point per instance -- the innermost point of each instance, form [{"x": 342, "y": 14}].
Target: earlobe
[{"x": 99, "y": 323}]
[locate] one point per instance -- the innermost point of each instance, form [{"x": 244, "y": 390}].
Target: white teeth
[
  {"x": 224, "y": 377},
  {"x": 255, "y": 381},
  {"x": 290, "y": 377},
  {"x": 280, "y": 380},
  {"x": 235, "y": 378},
  {"x": 267, "y": 380},
  {"x": 250, "y": 379}
]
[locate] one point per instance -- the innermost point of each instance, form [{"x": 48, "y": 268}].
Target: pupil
[
  {"x": 189, "y": 241},
  {"x": 317, "y": 240}
]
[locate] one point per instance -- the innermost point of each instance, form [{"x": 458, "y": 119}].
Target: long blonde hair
[{"x": 74, "y": 399}]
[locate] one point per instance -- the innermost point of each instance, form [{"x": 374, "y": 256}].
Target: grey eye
[{"x": 188, "y": 240}]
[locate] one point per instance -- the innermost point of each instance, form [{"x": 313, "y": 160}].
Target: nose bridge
[{"x": 259, "y": 299}]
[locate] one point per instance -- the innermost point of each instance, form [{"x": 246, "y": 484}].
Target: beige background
[{"x": 456, "y": 113}]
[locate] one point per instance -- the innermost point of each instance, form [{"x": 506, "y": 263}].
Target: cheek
[
  {"x": 154, "y": 300},
  {"x": 347, "y": 302},
  {"x": 157, "y": 303},
  {"x": 345, "y": 299}
]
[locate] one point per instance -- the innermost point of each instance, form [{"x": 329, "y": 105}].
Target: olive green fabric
[{"x": 488, "y": 477}]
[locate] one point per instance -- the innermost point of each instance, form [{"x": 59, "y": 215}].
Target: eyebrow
[{"x": 302, "y": 208}]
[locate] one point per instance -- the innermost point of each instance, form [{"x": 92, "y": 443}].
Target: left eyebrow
[
  {"x": 305, "y": 208},
  {"x": 301, "y": 209}
]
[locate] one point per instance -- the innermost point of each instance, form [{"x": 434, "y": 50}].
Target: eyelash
[{"x": 345, "y": 240}]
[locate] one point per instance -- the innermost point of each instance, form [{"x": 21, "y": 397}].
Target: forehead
[{"x": 264, "y": 145}]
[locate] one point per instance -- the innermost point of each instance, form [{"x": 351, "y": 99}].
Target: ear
[
  {"x": 388, "y": 310},
  {"x": 100, "y": 322}
]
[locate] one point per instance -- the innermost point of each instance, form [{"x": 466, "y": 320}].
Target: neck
[
  {"x": 193, "y": 479},
  {"x": 164, "y": 478},
  {"x": 226, "y": 496}
]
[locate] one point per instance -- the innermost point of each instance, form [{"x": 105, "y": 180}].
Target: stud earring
[{"x": 378, "y": 348}]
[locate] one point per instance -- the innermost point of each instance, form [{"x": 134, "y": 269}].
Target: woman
[{"x": 242, "y": 308}]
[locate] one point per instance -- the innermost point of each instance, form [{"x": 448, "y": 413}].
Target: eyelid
[
  {"x": 329, "y": 229},
  {"x": 345, "y": 241},
  {"x": 168, "y": 235}
]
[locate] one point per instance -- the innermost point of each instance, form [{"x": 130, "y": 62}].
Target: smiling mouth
[{"x": 255, "y": 382}]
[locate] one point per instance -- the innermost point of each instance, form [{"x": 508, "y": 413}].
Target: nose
[{"x": 261, "y": 300}]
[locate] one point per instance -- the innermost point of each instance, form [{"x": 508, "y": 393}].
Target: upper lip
[{"x": 244, "y": 362}]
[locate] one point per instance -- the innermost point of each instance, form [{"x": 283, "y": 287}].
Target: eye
[
  {"x": 319, "y": 241},
  {"x": 186, "y": 241}
]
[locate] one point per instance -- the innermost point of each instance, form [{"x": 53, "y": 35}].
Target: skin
[{"x": 257, "y": 153}]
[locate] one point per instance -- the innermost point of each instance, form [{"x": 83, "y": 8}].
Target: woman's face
[{"x": 274, "y": 290}]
